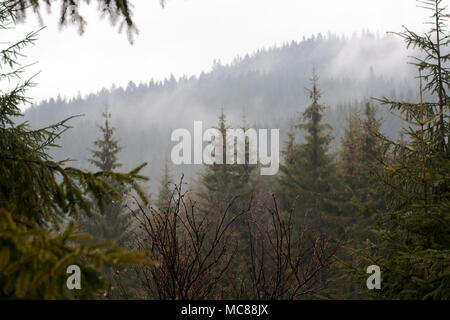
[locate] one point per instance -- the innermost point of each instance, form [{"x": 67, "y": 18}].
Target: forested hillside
[
  {"x": 267, "y": 86},
  {"x": 94, "y": 206}
]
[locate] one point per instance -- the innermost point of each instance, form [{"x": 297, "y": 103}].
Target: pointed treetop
[{"x": 105, "y": 156}]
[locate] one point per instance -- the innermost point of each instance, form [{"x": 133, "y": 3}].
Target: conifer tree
[
  {"x": 371, "y": 127},
  {"x": 355, "y": 195},
  {"x": 113, "y": 224},
  {"x": 360, "y": 148},
  {"x": 165, "y": 189},
  {"x": 106, "y": 156},
  {"x": 307, "y": 171},
  {"x": 287, "y": 190},
  {"x": 247, "y": 169},
  {"x": 308, "y": 181},
  {"x": 351, "y": 151},
  {"x": 414, "y": 247},
  {"x": 227, "y": 187},
  {"x": 41, "y": 198},
  {"x": 223, "y": 182}
]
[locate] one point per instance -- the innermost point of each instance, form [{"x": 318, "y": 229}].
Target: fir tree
[
  {"x": 351, "y": 151},
  {"x": 355, "y": 196},
  {"x": 165, "y": 189},
  {"x": 113, "y": 224},
  {"x": 41, "y": 198},
  {"x": 221, "y": 182},
  {"x": 227, "y": 187},
  {"x": 414, "y": 247},
  {"x": 308, "y": 180},
  {"x": 307, "y": 171},
  {"x": 105, "y": 157},
  {"x": 360, "y": 148},
  {"x": 287, "y": 188}
]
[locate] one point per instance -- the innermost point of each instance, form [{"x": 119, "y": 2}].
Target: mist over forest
[
  {"x": 267, "y": 87},
  {"x": 349, "y": 200}
]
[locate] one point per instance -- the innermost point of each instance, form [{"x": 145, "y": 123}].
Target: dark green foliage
[
  {"x": 414, "y": 251},
  {"x": 236, "y": 245},
  {"x": 355, "y": 197},
  {"x": 307, "y": 172},
  {"x": 360, "y": 148},
  {"x": 230, "y": 187},
  {"x": 308, "y": 181},
  {"x": 40, "y": 198},
  {"x": 105, "y": 157},
  {"x": 113, "y": 224}
]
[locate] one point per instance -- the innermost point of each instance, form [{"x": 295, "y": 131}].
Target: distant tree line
[{"x": 373, "y": 198}]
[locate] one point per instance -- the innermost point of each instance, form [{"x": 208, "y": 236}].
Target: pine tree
[
  {"x": 71, "y": 13},
  {"x": 351, "y": 151},
  {"x": 307, "y": 171},
  {"x": 308, "y": 181},
  {"x": 414, "y": 247},
  {"x": 221, "y": 183},
  {"x": 371, "y": 128},
  {"x": 355, "y": 195},
  {"x": 113, "y": 224},
  {"x": 105, "y": 157},
  {"x": 287, "y": 188},
  {"x": 227, "y": 187},
  {"x": 247, "y": 169},
  {"x": 40, "y": 199},
  {"x": 360, "y": 148},
  {"x": 165, "y": 189}
]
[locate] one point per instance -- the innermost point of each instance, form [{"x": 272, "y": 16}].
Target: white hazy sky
[{"x": 187, "y": 35}]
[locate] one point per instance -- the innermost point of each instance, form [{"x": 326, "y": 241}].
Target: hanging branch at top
[{"x": 116, "y": 10}]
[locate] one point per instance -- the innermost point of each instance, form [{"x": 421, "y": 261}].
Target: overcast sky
[{"x": 187, "y": 35}]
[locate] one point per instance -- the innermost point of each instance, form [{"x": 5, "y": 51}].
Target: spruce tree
[
  {"x": 360, "y": 148},
  {"x": 165, "y": 189},
  {"x": 113, "y": 224},
  {"x": 307, "y": 173},
  {"x": 227, "y": 187},
  {"x": 351, "y": 151},
  {"x": 414, "y": 247},
  {"x": 355, "y": 195},
  {"x": 41, "y": 198},
  {"x": 287, "y": 189},
  {"x": 220, "y": 183},
  {"x": 308, "y": 180}
]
